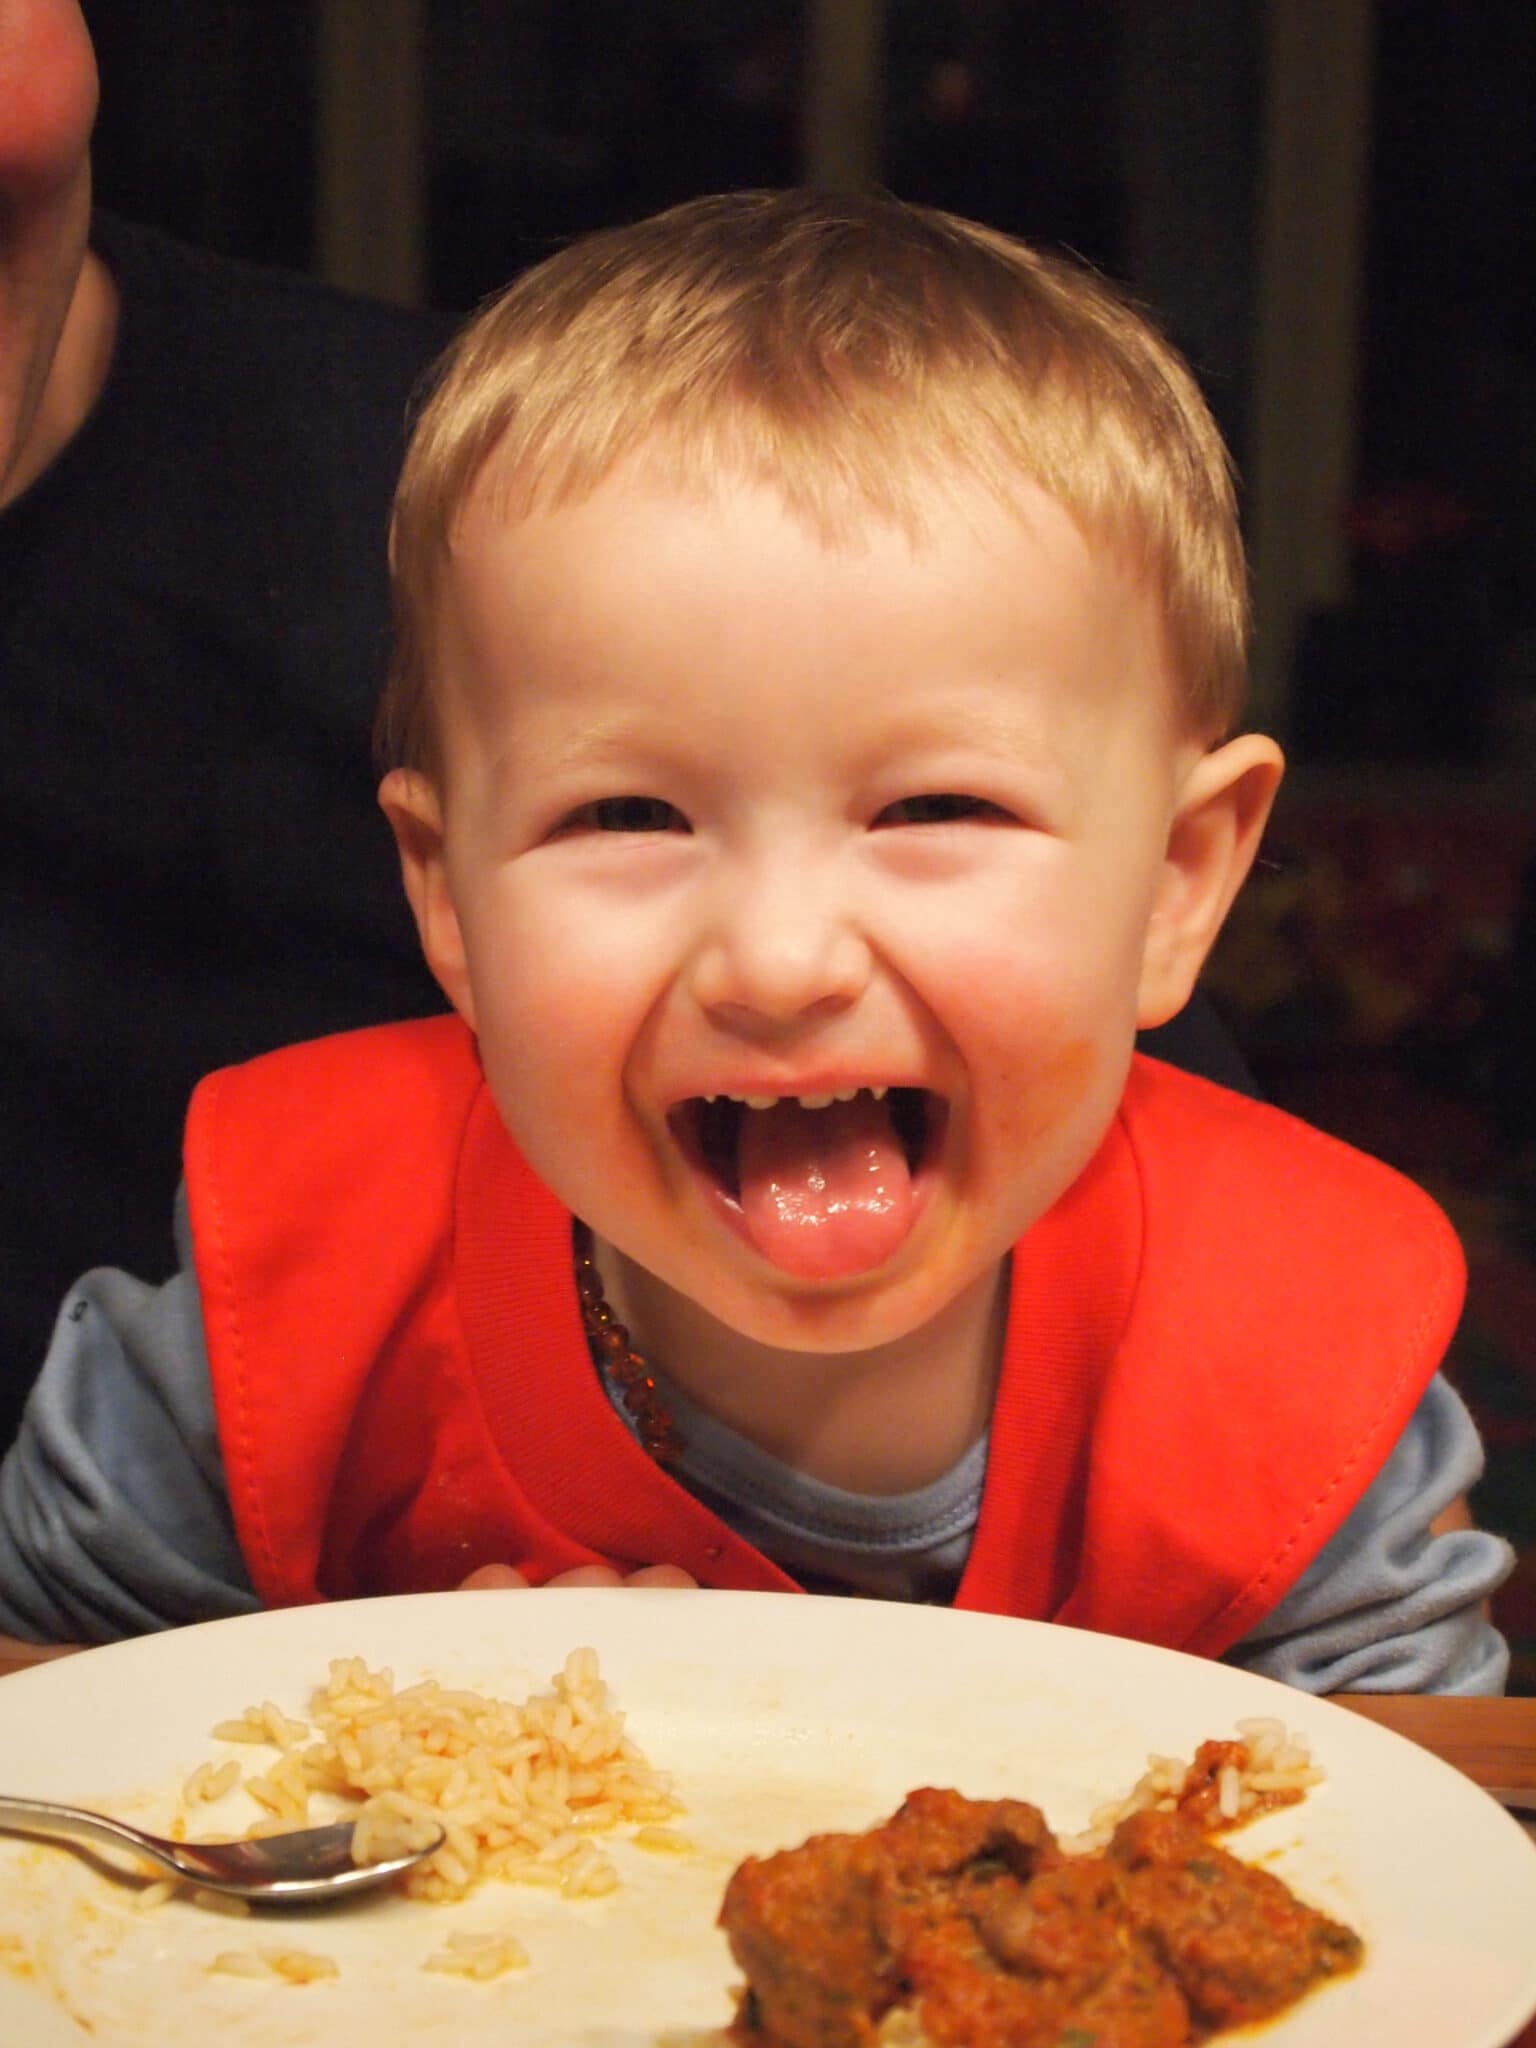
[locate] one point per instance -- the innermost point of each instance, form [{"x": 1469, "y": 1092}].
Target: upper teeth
[{"x": 805, "y": 1101}]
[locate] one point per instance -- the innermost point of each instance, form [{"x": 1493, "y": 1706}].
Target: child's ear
[
  {"x": 1217, "y": 824},
  {"x": 411, "y": 803}
]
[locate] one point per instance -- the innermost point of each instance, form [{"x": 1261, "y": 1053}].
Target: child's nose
[{"x": 780, "y": 951}]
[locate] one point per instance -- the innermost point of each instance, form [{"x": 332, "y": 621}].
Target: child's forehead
[
  {"x": 649, "y": 577},
  {"x": 923, "y": 507},
  {"x": 579, "y": 554}
]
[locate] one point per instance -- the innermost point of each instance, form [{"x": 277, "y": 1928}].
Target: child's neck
[{"x": 883, "y": 1421}]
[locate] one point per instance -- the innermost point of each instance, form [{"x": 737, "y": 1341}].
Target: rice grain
[{"x": 519, "y": 1788}]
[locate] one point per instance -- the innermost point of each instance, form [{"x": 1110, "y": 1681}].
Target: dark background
[{"x": 1381, "y": 969}]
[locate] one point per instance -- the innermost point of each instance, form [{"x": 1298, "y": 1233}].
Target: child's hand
[{"x": 496, "y": 1578}]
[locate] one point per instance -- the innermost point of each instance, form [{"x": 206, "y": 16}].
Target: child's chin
[{"x": 884, "y": 1306}]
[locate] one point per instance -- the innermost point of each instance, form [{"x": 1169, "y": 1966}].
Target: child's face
[{"x": 727, "y": 812}]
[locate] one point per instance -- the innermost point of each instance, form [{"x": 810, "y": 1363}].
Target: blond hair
[{"x": 856, "y": 353}]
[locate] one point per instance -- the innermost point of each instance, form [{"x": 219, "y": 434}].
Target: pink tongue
[{"x": 825, "y": 1192}]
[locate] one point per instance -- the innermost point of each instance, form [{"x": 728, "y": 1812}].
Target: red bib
[{"x": 1214, "y": 1340}]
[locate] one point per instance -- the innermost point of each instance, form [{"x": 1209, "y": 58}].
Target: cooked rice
[
  {"x": 479, "y": 1957},
  {"x": 900, "y": 2029},
  {"x": 519, "y": 1789},
  {"x": 210, "y": 1781},
  {"x": 293, "y": 1965},
  {"x": 266, "y": 1723},
  {"x": 1267, "y": 1767},
  {"x": 228, "y": 1903},
  {"x": 662, "y": 1841},
  {"x": 239, "y": 1963}
]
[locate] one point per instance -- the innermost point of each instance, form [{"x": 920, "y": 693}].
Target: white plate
[{"x": 778, "y": 1716}]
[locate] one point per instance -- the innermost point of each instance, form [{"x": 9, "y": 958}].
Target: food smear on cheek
[
  {"x": 825, "y": 1193},
  {"x": 1052, "y": 1090}
]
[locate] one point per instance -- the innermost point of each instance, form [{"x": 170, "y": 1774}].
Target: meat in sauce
[{"x": 968, "y": 1916}]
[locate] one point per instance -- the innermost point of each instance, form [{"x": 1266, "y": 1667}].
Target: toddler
[{"x": 813, "y": 751}]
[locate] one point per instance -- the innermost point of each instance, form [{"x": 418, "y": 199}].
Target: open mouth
[
  {"x": 710, "y": 1127},
  {"x": 824, "y": 1186}
]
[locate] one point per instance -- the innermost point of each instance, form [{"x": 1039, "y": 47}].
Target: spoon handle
[{"x": 46, "y": 1816}]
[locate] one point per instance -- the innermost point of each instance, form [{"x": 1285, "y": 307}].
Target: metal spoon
[{"x": 314, "y": 1863}]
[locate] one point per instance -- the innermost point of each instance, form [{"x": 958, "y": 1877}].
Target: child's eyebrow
[
  {"x": 967, "y": 725},
  {"x": 599, "y": 741},
  {"x": 975, "y": 724}
]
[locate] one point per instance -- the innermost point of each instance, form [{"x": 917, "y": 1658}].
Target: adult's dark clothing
[{"x": 193, "y": 609}]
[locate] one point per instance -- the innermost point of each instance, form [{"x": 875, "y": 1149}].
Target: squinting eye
[
  {"x": 626, "y": 814},
  {"x": 942, "y": 807}
]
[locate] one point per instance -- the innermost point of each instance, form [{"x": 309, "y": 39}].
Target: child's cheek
[
  {"x": 1054, "y": 1091},
  {"x": 1044, "y": 1048}
]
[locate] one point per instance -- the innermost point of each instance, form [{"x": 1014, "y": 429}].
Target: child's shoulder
[
  {"x": 346, "y": 1088},
  {"x": 1221, "y": 1168}
]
